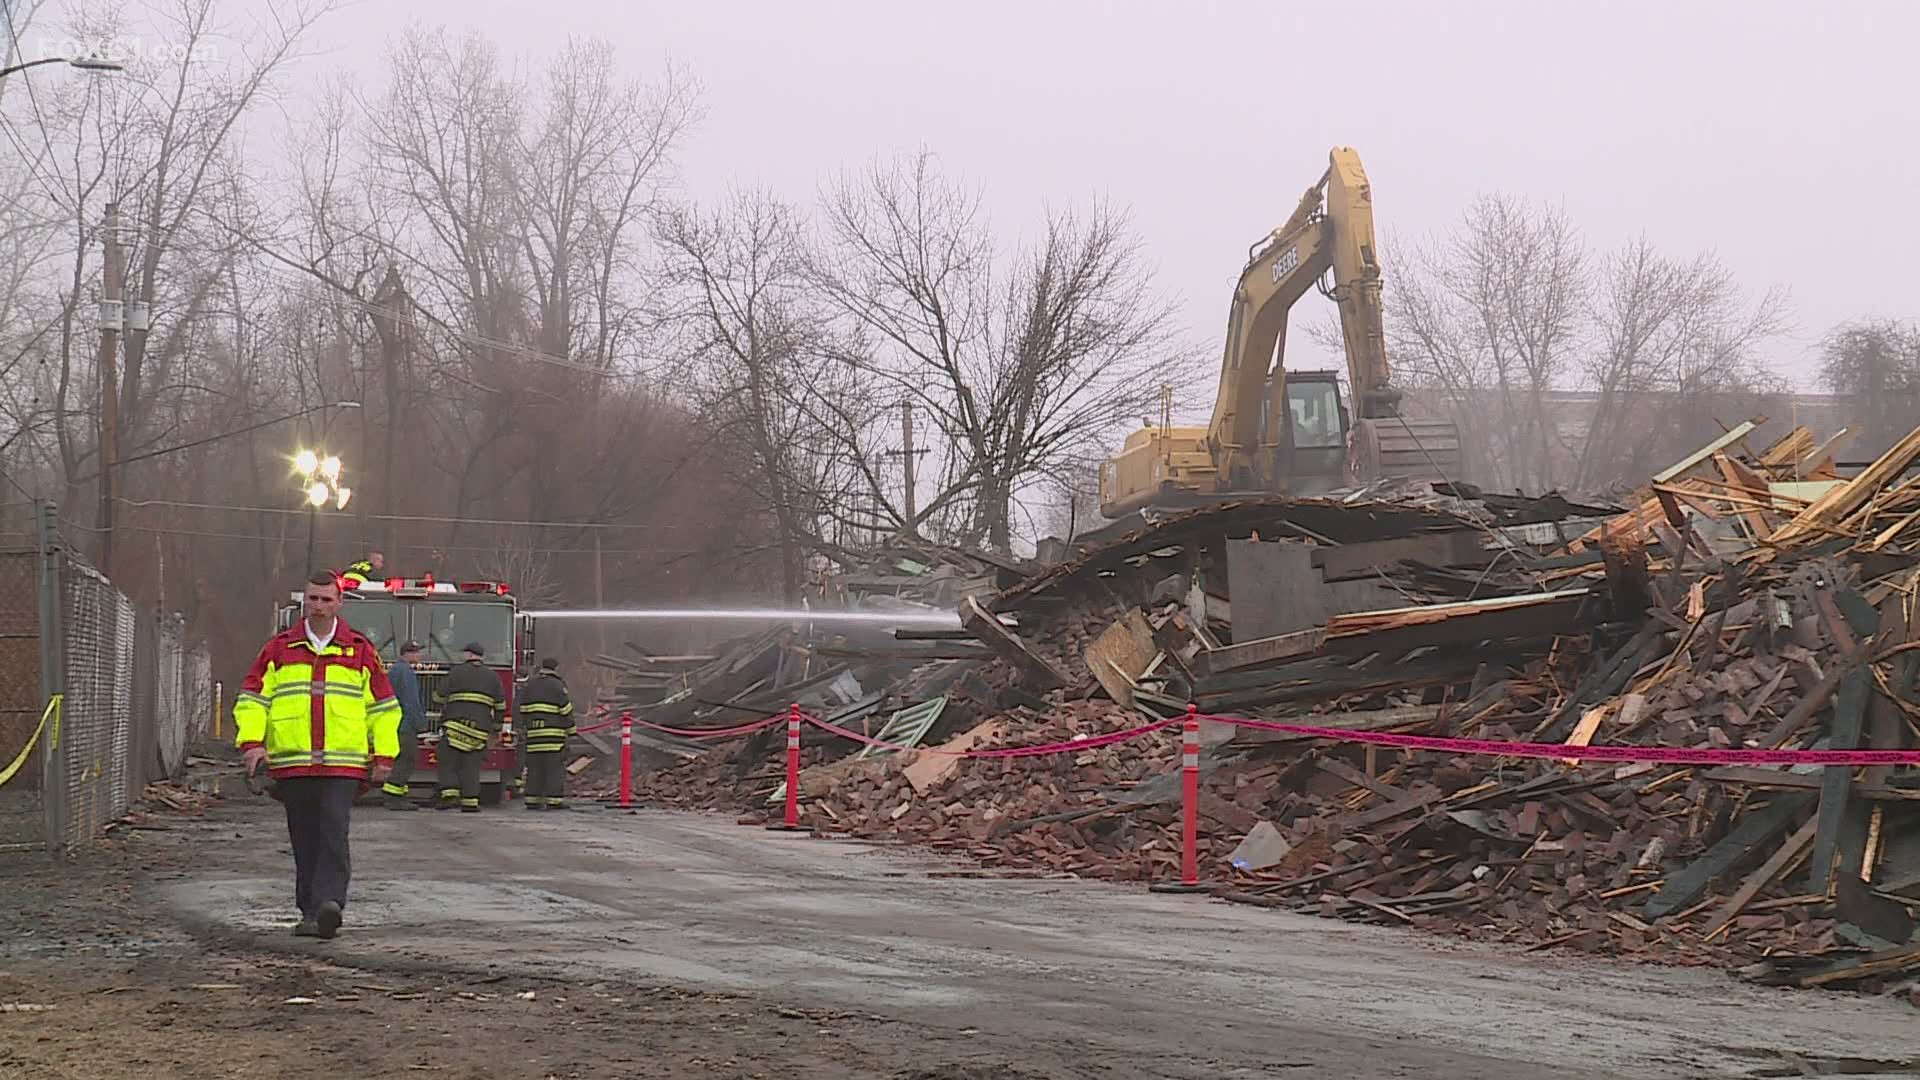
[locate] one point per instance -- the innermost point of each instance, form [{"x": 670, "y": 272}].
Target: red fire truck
[{"x": 444, "y": 617}]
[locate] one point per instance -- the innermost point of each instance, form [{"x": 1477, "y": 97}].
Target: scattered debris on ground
[{"x": 1749, "y": 599}]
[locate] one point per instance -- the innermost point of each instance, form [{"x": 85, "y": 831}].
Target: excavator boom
[{"x": 1275, "y": 432}]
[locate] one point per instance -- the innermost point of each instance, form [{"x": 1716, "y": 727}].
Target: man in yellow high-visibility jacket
[
  {"x": 317, "y": 711},
  {"x": 364, "y": 570}
]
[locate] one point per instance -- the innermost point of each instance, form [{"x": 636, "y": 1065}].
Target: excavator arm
[
  {"x": 1272, "y": 433},
  {"x": 1245, "y": 428},
  {"x": 1253, "y": 449}
]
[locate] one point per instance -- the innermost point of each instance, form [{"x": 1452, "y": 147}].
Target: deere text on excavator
[{"x": 1279, "y": 432}]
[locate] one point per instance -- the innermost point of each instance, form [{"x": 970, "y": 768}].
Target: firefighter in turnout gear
[
  {"x": 470, "y": 710},
  {"x": 546, "y": 714},
  {"x": 363, "y": 571}
]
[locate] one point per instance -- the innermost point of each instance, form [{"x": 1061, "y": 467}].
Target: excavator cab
[{"x": 1310, "y": 448}]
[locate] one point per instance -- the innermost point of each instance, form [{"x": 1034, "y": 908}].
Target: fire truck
[{"x": 444, "y": 617}]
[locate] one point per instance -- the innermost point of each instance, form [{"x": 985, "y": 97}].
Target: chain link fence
[{"x": 97, "y": 698}]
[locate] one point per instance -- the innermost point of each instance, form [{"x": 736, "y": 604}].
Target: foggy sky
[{"x": 1777, "y": 134}]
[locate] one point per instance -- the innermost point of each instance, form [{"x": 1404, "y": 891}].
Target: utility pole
[
  {"x": 906, "y": 454},
  {"x": 599, "y": 593},
  {"x": 112, "y": 318}
]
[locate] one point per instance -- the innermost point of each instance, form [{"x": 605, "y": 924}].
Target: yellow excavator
[{"x": 1274, "y": 432}]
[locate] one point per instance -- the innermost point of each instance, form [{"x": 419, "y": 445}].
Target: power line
[
  {"x": 408, "y": 517},
  {"x": 39, "y": 119},
  {"x": 287, "y": 273},
  {"x": 212, "y": 535}
]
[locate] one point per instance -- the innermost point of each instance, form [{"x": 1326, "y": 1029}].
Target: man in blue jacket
[{"x": 413, "y": 721}]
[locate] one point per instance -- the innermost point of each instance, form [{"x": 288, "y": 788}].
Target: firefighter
[
  {"x": 470, "y": 708},
  {"x": 359, "y": 573},
  {"x": 546, "y": 713},
  {"x": 413, "y": 721},
  {"x": 317, "y": 711}
]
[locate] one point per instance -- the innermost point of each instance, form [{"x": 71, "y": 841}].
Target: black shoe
[
  {"x": 396, "y": 802},
  {"x": 556, "y": 806},
  {"x": 469, "y": 809},
  {"x": 535, "y": 806},
  {"x": 328, "y": 920},
  {"x": 446, "y": 804},
  {"x": 306, "y": 927}
]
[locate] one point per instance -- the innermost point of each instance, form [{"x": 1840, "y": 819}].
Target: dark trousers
[
  {"x": 547, "y": 777},
  {"x": 403, "y": 766},
  {"x": 317, "y": 813},
  {"x": 460, "y": 775}
]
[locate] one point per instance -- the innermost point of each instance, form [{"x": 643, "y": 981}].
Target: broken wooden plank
[
  {"x": 1742, "y": 478},
  {"x": 1040, "y": 673},
  {"x": 928, "y": 771},
  {"x": 1389, "y": 811},
  {"x": 1755, "y": 829},
  {"x": 1460, "y": 623},
  {"x": 1358, "y": 720},
  {"x": 1849, "y": 717},
  {"x": 1686, "y": 464},
  {"x": 1761, "y": 777},
  {"x": 1761, "y": 878},
  {"x": 1816, "y": 698},
  {"x": 1833, "y": 507},
  {"x": 1121, "y": 655},
  {"x": 1336, "y": 767},
  {"x": 1265, "y": 650},
  {"x": 1890, "y": 962}
]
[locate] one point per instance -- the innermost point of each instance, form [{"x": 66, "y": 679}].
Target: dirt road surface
[{"x": 656, "y": 943}]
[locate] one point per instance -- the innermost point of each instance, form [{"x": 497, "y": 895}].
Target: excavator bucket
[{"x": 1415, "y": 448}]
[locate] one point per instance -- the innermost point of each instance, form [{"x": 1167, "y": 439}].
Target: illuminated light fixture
[
  {"x": 306, "y": 463},
  {"x": 340, "y": 501},
  {"x": 318, "y": 494},
  {"x": 330, "y": 469}
]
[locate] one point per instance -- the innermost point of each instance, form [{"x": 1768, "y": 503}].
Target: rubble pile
[{"x": 1754, "y": 598}]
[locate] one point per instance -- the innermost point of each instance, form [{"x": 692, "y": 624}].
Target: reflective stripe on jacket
[
  {"x": 546, "y": 713},
  {"x": 318, "y": 714},
  {"x": 470, "y": 705},
  {"x": 358, "y": 574}
]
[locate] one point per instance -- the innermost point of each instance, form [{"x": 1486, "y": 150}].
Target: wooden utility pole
[
  {"x": 112, "y": 318},
  {"x": 906, "y": 456},
  {"x": 907, "y": 453},
  {"x": 599, "y": 593},
  {"x": 392, "y": 320}
]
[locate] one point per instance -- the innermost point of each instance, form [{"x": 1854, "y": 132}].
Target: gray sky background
[{"x": 1777, "y": 134}]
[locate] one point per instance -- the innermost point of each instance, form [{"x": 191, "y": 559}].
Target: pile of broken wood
[{"x": 1755, "y": 598}]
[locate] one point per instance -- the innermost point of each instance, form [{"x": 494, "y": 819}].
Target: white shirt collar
[{"x": 316, "y": 640}]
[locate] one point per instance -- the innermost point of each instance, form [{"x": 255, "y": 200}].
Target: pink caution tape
[
  {"x": 714, "y": 733},
  {"x": 1657, "y": 755},
  {"x": 1075, "y": 746}
]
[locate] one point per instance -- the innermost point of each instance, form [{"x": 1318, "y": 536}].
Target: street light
[
  {"x": 84, "y": 63},
  {"x": 320, "y": 481}
]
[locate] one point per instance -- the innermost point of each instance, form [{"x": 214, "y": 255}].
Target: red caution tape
[
  {"x": 1075, "y": 746},
  {"x": 1658, "y": 755},
  {"x": 714, "y": 733}
]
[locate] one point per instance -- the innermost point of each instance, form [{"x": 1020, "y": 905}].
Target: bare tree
[
  {"x": 1875, "y": 365},
  {"x": 1491, "y": 315},
  {"x": 1668, "y": 337},
  {"x": 750, "y": 335},
  {"x": 1021, "y": 361}
]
